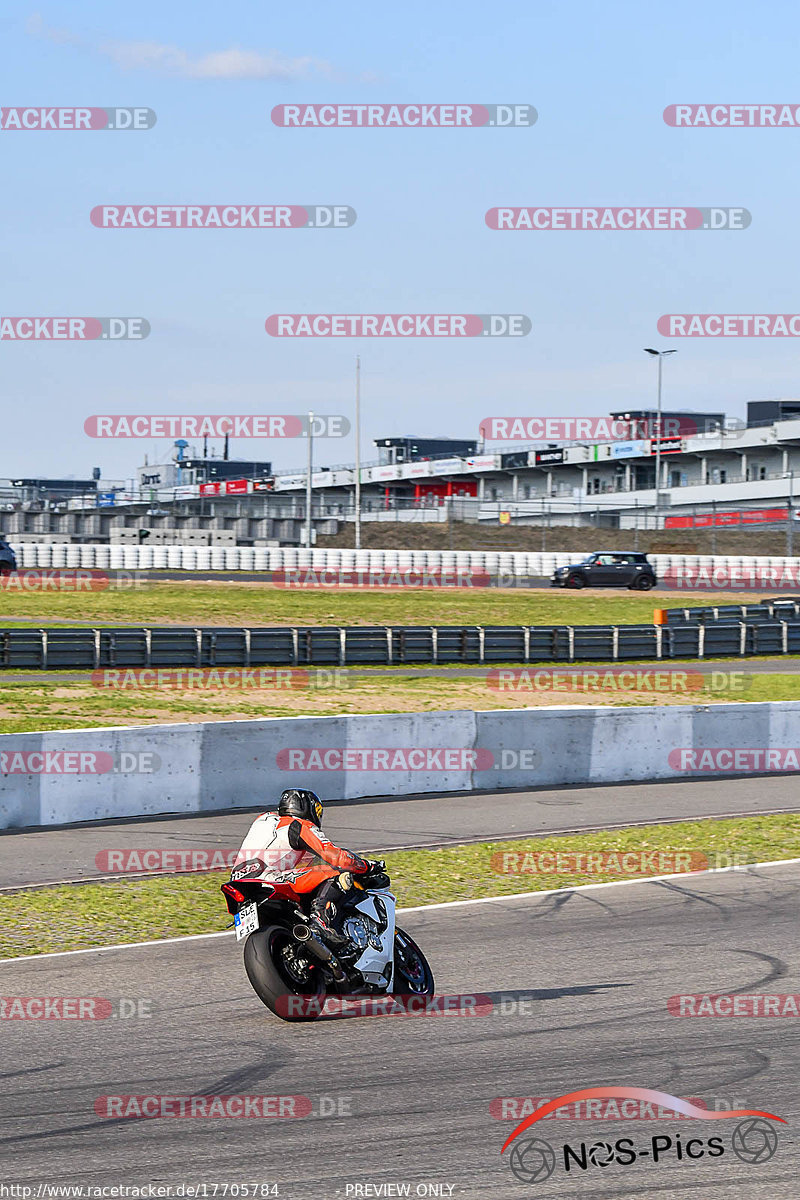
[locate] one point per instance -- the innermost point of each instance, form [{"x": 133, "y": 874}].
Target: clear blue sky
[{"x": 599, "y": 76}]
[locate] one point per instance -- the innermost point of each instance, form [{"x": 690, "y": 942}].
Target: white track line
[
  {"x": 584, "y": 887},
  {"x": 191, "y": 937}
]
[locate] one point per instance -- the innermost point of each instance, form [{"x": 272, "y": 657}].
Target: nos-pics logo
[{"x": 533, "y": 1159}]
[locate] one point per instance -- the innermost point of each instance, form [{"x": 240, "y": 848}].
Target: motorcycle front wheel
[
  {"x": 281, "y": 975},
  {"x": 412, "y": 973}
]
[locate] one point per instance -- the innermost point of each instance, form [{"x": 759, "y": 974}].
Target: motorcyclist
[{"x": 299, "y": 858}]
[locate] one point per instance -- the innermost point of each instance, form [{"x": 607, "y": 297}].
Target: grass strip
[
  {"x": 193, "y": 603},
  {"x": 102, "y": 914},
  {"x": 51, "y": 704}
]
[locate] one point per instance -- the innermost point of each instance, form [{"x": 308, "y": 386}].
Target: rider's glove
[{"x": 377, "y": 875}]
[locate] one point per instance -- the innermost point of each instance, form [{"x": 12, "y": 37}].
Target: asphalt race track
[
  {"x": 385, "y": 824},
  {"x": 411, "y": 1095}
]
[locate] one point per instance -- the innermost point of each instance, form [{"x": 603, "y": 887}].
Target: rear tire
[
  {"x": 643, "y": 583},
  {"x": 272, "y": 979},
  {"x": 412, "y": 973}
]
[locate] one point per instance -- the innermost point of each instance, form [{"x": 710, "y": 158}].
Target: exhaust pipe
[{"x": 320, "y": 951}]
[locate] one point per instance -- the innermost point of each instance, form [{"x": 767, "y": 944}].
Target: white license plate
[{"x": 246, "y": 921}]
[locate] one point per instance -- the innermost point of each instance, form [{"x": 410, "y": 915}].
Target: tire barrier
[{"x": 257, "y": 558}]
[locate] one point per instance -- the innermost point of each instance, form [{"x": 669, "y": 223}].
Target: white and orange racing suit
[{"x": 295, "y": 855}]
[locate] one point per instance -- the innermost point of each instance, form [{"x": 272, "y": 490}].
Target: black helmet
[{"x": 296, "y": 802}]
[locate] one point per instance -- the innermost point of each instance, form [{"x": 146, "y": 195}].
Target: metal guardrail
[
  {"x": 137, "y": 648},
  {"x": 764, "y": 610}
]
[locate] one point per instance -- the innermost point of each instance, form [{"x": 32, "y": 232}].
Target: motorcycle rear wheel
[{"x": 268, "y": 957}]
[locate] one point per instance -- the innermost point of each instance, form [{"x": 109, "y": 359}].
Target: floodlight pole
[
  {"x": 308, "y": 477},
  {"x": 358, "y": 455},
  {"x": 659, "y": 354}
]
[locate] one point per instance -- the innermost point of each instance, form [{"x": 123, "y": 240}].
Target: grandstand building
[{"x": 728, "y": 473}]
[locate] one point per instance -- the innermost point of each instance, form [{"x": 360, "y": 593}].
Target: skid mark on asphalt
[
  {"x": 698, "y": 896},
  {"x": 256, "y": 1073},
  {"x": 778, "y": 970}
]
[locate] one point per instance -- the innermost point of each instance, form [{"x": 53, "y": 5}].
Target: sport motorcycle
[{"x": 293, "y": 971}]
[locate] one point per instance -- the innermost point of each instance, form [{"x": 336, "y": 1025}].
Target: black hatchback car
[
  {"x": 8, "y": 562},
  {"x": 607, "y": 568}
]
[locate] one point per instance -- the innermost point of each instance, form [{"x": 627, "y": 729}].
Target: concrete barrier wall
[{"x": 234, "y": 764}]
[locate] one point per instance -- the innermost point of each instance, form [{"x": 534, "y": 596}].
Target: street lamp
[
  {"x": 659, "y": 354},
  {"x": 308, "y": 477},
  {"x": 357, "y": 496}
]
